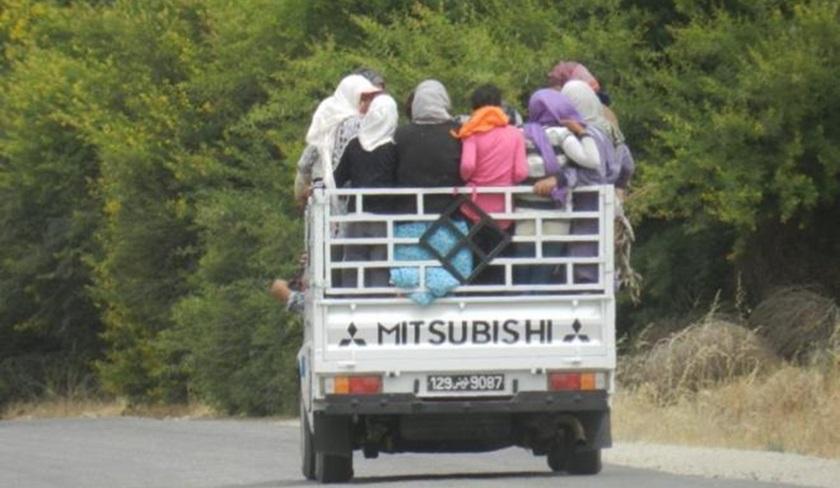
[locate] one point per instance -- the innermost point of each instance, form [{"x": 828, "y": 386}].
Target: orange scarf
[{"x": 484, "y": 119}]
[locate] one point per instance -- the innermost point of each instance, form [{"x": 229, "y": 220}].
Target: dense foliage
[{"x": 147, "y": 151}]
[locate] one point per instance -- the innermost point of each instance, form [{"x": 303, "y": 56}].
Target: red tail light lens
[
  {"x": 364, "y": 385},
  {"x": 564, "y": 381}
]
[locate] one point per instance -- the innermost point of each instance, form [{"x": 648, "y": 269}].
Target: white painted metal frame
[{"x": 328, "y": 223}]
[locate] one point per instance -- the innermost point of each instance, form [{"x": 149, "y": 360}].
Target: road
[{"x": 134, "y": 452}]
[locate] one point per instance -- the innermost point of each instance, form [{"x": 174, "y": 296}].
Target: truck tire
[
  {"x": 557, "y": 458},
  {"x": 585, "y": 461},
  {"x": 307, "y": 450},
  {"x": 333, "y": 468}
]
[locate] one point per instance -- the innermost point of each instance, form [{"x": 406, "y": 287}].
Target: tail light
[
  {"x": 353, "y": 385},
  {"x": 562, "y": 381}
]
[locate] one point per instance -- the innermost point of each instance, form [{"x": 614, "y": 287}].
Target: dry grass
[
  {"x": 702, "y": 355},
  {"x": 792, "y": 409},
  {"x": 655, "y": 332},
  {"x": 717, "y": 383},
  {"x": 59, "y": 408},
  {"x": 797, "y": 322}
]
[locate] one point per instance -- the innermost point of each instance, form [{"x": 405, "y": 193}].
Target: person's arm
[
  {"x": 583, "y": 151},
  {"x": 611, "y": 118},
  {"x": 297, "y": 302},
  {"x": 301, "y": 185},
  {"x": 303, "y": 177},
  {"x": 468, "y": 158},
  {"x": 520, "y": 159},
  {"x": 628, "y": 166}
]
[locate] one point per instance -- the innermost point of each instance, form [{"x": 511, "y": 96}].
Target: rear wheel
[
  {"x": 584, "y": 461},
  {"x": 333, "y": 449},
  {"x": 333, "y": 468},
  {"x": 557, "y": 458},
  {"x": 307, "y": 451}
]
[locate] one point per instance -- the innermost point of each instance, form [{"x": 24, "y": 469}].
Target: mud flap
[
  {"x": 596, "y": 425},
  {"x": 333, "y": 434}
]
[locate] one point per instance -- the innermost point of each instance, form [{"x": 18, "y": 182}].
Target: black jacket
[
  {"x": 363, "y": 169},
  {"x": 428, "y": 156}
]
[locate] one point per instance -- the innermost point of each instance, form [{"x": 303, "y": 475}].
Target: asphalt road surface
[{"x": 134, "y": 452}]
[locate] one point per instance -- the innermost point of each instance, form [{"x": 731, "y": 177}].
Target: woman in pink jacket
[{"x": 492, "y": 154}]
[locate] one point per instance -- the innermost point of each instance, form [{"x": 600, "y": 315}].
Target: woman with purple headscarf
[{"x": 560, "y": 151}]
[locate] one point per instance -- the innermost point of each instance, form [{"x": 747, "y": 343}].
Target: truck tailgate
[{"x": 514, "y": 332}]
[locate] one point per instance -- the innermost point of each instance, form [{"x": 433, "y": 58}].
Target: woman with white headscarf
[
  {"x": 588, "y": 104},
  {"x": 615, "y": 153},
  {"x": 369, "y": 161},
  {"x": 335, "y": 122}
]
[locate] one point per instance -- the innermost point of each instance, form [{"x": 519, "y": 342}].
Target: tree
[
  {"x": 748, "y": 131},
  {"x": 147, "y": 151},
  {"x": 49, "y": 211}
]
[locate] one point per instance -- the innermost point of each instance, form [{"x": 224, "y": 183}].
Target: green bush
[{"x": 147, "y": 151}]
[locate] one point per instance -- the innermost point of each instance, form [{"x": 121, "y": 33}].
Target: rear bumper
[{"x": 407, "y": 403}]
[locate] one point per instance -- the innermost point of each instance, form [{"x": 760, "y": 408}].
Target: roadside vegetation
[
  {"x": 147, "y": 152},
  {"x": 729, "y": 382},
  {"x": 99, "y": 407}
]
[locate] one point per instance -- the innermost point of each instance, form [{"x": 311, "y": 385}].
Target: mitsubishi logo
[
  {"x": 576, "y": 333},
  {"x": 351, "y": 330}
]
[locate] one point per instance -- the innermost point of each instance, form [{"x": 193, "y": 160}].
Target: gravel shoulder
[{"x": 774, "y": 467}]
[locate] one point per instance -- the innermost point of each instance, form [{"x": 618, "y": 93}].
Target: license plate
[{"x": 465, "y": 382}]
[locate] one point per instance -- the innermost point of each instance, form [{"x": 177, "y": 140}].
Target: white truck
[{"x": 483, "y": 368}]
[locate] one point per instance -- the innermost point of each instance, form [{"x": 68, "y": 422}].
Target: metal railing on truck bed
[{"x": 575, "y": 241}]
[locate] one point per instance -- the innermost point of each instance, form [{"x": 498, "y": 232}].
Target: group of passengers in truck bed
[{"x": 570, "y": 138}]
